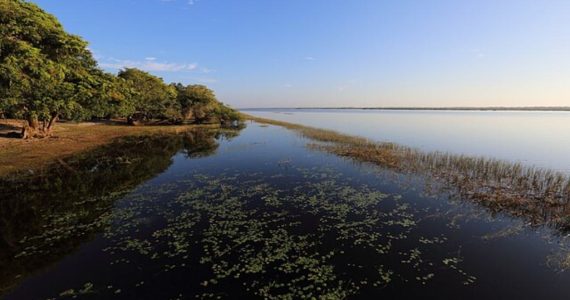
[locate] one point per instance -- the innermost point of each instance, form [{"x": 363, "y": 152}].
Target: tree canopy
[
  {"x": 44, "y": 71},
  {"x": 47, "y": 74},
  {"x": 151, "y": 97},
  {"x": 197, "y": 101}
]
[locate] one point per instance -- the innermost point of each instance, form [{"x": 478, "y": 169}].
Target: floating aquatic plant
[
  {"x": 283, "y": 242},
  {"x": 47, "y": 214}
]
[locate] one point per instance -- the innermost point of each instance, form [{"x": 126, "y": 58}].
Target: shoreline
[
  {"x": 541, "y": 196},
  {"x": 496, "y": 184},
  {"x": 19, "y": 155}
]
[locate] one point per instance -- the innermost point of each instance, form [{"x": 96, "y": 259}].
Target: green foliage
[
  {"x": 151, "y": 97},
  {"x": 46, "y": 74},
  {"x": 111, "y": 97},
  {"x": 199, "y": 103},
  {"x": 226, "y": 113},
  {"x": 44, "y": 71}
]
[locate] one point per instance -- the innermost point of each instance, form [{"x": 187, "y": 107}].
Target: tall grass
[{"x": 540, "y": 195}]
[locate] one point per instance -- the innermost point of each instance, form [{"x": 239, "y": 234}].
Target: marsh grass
[{"x": 541, "y": 196}]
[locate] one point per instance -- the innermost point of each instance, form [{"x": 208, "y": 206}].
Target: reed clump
[{"x": 541, "y": 196}]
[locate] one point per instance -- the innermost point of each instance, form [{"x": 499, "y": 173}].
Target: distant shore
[{"x": 489, "y": 108}]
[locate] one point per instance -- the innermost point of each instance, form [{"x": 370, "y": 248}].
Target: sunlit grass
[{"x": 70, "y": 139}]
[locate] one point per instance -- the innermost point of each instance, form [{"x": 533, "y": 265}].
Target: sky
[{"x": 330, "y": 53}]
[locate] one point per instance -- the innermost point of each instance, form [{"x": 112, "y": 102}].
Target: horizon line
[{"x": 455, "y": 108}]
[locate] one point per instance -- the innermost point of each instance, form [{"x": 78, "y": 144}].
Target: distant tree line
[{"x": 47, "y": 74}]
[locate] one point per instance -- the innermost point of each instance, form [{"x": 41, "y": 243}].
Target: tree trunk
[
  {"x": 136, "y": 119},
  {"x": 31, "y": 127},
  {"x": 51, "y": 124}
]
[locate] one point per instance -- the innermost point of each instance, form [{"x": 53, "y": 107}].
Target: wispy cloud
[
  {"x": 309, "y": 58},
  {"x": 95, "y": 53},
  {"x": 149, "y": 64},
  {"x": 206, "y": 70},
  {"x": 190, "y": 2}
]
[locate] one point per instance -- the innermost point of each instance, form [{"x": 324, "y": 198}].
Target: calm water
[
  {"x": 535, "y": 138},
  {"x": 256, "y": 214}
]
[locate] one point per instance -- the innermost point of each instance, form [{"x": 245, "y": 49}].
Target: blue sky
[{"x": 270, "y": 53}]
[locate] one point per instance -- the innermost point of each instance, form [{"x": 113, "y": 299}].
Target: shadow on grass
[{"x": 8, "y": 130}]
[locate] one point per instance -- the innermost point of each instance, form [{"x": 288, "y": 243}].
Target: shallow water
[
  {"x": 534, "y": 138},
  {"x": 258, "y": 215}
]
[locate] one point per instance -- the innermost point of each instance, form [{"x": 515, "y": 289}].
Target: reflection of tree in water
[
  {"x": 201, "y": 143},
  {"x": 46, "y": 215}
]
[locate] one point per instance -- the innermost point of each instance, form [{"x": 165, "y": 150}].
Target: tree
[
  {"x": 227, "y": 114},
  {"x": 197, "y": 102},
  {"x": 151, "y": 97},
  {"x": 45, "y": 73},
  {"x": 111, "y": 97}
]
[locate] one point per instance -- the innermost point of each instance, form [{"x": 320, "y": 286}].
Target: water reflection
[
  {"x": 47, "y": 215},
  {"x": 541, "y": 139},
  {"x": 265, "y": 217}
]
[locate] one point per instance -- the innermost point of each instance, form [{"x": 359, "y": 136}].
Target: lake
[
  {"x": 541, "y": 139},
  {"x": 254, "y": 213}
]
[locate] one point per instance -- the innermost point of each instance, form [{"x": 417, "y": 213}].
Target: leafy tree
[
  {"x": 45, "y": 73},
  {"x": 151, "y": 97},
  {"x": 111, "y": 97},
  {"x": 227, "y": 114},
  {"x": 197, "y": 102}
]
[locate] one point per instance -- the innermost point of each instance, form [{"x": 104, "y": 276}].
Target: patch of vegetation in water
[
  {"x": 314, "y": 234},
  {"x": 277, "y": 230},
  {"x": 47, "y": 215},
  {"x": 540, "y": 196}
]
